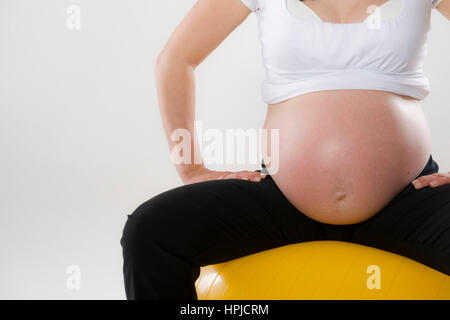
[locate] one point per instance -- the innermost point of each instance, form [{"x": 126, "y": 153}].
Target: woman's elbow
[{"x": 165, "y": 60}]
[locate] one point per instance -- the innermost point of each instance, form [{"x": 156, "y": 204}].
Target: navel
[{"x": 340, "y": 195}]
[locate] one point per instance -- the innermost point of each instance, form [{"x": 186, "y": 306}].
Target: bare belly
[{"x": 344, "y": 154}]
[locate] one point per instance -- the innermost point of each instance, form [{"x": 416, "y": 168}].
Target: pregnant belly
[{"x": 342, "y": 155}]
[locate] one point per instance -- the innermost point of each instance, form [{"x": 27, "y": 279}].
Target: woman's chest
[{"x": 291, "y": 44}]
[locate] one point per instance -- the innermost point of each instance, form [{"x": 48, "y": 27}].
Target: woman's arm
[
  {"x": 204, "y": 27},
  {"x": 444, "y": 8}
]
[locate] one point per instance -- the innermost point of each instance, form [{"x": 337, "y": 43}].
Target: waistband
[{"x": 430, "y": 167}]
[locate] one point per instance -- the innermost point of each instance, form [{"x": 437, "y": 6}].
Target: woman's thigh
[
  {"x": 218, "y": 220},
  {"x": 415, "y": 224}
]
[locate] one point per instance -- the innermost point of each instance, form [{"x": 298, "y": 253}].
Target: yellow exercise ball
[{"x": 321, "y": 270}]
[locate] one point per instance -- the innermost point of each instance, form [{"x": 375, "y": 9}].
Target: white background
[{"x": 82, "y": 145}]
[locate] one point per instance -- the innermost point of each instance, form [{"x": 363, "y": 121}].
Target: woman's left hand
[{"x": 432, "y": 180}]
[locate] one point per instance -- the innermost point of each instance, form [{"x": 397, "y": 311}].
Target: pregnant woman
[{"x": 343, "y": 86}]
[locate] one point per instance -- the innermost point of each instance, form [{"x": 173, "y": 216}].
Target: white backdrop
[{"x": 81, "y": 140}]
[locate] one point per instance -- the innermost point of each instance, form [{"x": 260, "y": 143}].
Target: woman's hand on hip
[
  {"x": 204, "y": 174},
  {"x": 432, "y": 180}
]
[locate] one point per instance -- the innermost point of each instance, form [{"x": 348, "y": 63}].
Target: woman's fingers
[
  {"x": 257, "y": 176},
  {"x": 208, "y": 174},
  {"x": 432, "y": 180},
  {"x": 247, "y": 175},
  {"x": 252, "y": 176}
]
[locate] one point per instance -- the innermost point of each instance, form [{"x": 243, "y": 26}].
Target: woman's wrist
[{"x": 186, "y": 171}]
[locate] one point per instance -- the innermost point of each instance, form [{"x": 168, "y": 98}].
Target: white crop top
[{"x": 301, "y": 53}]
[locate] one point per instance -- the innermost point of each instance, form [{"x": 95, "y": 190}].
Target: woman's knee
[{"x": 146, "y": 224}]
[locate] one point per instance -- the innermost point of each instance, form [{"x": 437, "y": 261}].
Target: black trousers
[{"x": 169, "y": 237}]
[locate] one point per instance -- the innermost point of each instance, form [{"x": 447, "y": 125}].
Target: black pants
[{"x": 169, "y": 237}]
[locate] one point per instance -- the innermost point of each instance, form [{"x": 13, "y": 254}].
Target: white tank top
[{"x": 301, "y": 53}]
